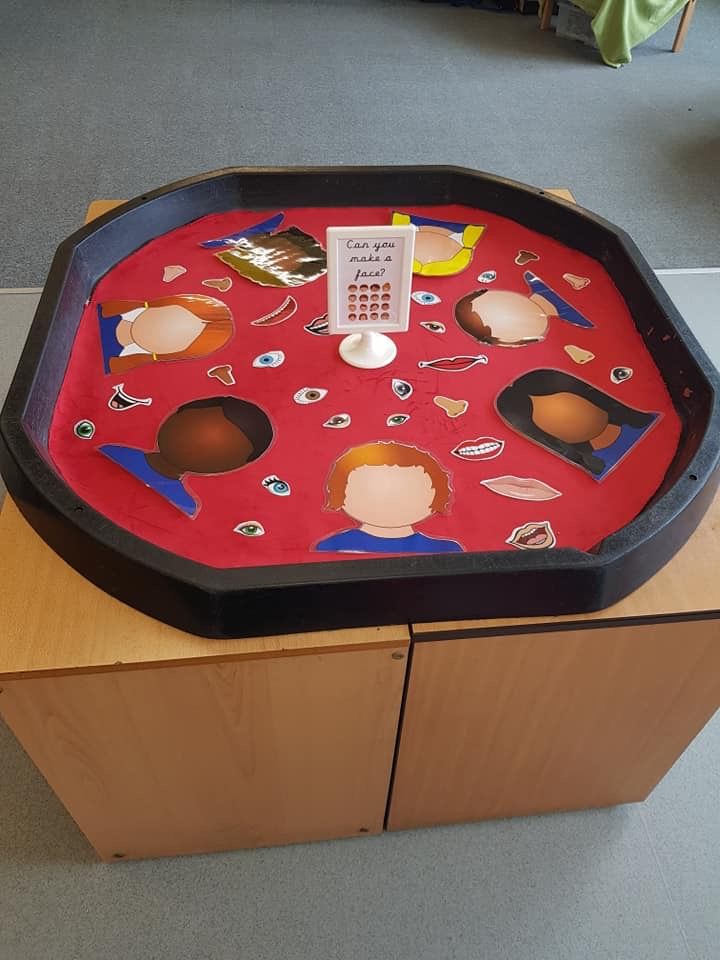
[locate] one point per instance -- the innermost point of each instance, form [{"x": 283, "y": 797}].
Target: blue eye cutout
[
  {"x": 426, "y": 298},
  {"x": 273, "y": 358},
  {"x": 277, "y": 486}
]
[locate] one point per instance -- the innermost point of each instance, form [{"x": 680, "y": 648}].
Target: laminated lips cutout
[{"x": 521, "y": 488}]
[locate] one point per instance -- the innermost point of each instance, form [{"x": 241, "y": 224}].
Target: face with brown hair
[
  {"x": 502, "y": 318},
  {"x": 389, "y": 496},
  {"x": 388, "y": 485},
  {"x": 167, "y": 329},
  {"x": 170, "y": 328}
]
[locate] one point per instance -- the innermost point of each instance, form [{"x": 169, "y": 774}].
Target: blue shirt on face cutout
[
  {"x": 627, "y": 439},
  {"x": 135, "y": 462},
  {"x": 564, "y": 310},
  {"x": 111, "y": 346},
  {"x": 358, "y": 541}
]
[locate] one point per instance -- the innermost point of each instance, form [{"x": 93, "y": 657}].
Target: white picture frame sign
[{"x": 369, "y": 282}]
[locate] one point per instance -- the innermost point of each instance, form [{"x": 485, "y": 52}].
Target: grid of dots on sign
[{"x": 369, "y": 302}]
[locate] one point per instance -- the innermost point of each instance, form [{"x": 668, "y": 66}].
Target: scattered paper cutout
[
  {"x": 425, "y": 298},
  {"x": 577, "y": 283},
  {"x": 250, "y": 528},
  {"x": 482, "y": 448},
  {"x": 402, "y": 389},
  {"x": 120, "y": 400},
  {"x": 578, "y": 354},
  {"x": 289, "y": 258},
  {"x": 264, "y": 226},
  {"x": 280, "y": 488},
  {"x": 84, "y": 429},
  {"x": 453, "y": 408},
  {"x": 181, "y": 327},
  {"x": 319, "y": 326},
  {"x": 309, "y": 394},
  {"x": 453, "y": 364},
  {"x": 508, "y": 319},
  {"x": 271, "y": 358},
  {"x": 525, "y": 256},
  {"x": 338, "y": 421},
  {"x": 221, "y": 283},
  {"x": 487, "y": 276},
  {"x": 282, "y": 313},
  {"x": 442, "y": 247},
  {"x": 536, "y": 535},
  {"x": 397, "y": 419},
  {"x": 380, "y": 487},
  {"x": 172, "y": 272},
  {"x": 434, "y": 326},
  {"x": 573, "y": 419},
  {"x": 223, "y": 373},
  {"x": 521, "y": 488},
  {"x": 207, "y": 437},
  {"x": 621, "y": 374}
]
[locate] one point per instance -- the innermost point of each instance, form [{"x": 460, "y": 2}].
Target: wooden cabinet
[
  {"x": 506, "y": 725},
  {"x": 218, "y": 755},
  {"x": 159, "y": 742}
]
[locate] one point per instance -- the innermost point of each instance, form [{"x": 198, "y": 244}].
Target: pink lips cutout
[
  {"x": 484, "y": 448},
  {"x": 521, "y": 488}
]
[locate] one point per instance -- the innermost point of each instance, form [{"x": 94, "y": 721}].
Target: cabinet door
[
  {"x": 505, "y": 726},
  {"x": 217, "y": 756}
]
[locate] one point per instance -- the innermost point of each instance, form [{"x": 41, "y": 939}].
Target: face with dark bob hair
[{"x": 567, "y": 416}]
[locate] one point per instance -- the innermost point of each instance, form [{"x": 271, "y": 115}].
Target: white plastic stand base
[{"x": 368, "y": 350}]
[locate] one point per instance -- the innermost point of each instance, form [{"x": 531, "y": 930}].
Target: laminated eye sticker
[
  {"x": 84, "y": 429},
  {"x": 309, "y": 395},
  {"x": 338, "y": 421},
  {"x": 402, "y": 389},
  {"x": 250, "y": 528},
  {"x": 425, "y": 298},
  {"x": 273, "y": 484},
  {"x": 272, "y": 358}
]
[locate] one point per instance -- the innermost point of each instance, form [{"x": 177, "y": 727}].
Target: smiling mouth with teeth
[{"x": 484, "y": 448}]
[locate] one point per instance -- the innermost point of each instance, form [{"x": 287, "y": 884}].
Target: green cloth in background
[{"x": 620, "y": 25}]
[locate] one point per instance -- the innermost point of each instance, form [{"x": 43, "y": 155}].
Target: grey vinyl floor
[
  {"x": 110, "y": 98},
  {"x": 639, "y": 882}
]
